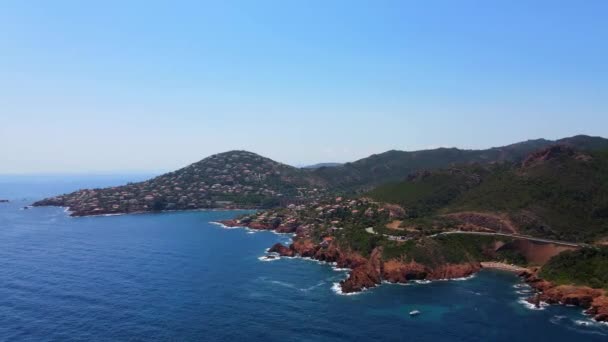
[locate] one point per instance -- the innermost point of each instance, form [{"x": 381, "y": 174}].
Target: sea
[{"x": 176, "y": 276}]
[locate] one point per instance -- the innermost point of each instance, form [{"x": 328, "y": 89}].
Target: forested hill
[
  {"x": 396, "y": 165},
  {"x": 232, "y": 179},
  {"x": 241, "y": 179},
  {"x": 558, "y": 192}
]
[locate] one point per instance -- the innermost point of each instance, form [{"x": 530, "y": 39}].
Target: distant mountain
[
  {"x": 320, "y": 165},
  {"x": 232, "y": 179},
  {"x": 558, "y": 192},
  {"x": 241, "y": 179},
  {"x": 397, "y": 165}
]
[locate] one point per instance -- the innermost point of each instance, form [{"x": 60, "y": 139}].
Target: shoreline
[
  {"x": 70, "y": 213},
  {"x": 501, "y": 266}
]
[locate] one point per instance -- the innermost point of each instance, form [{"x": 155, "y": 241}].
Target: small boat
[{"x": 414, "y": 313}]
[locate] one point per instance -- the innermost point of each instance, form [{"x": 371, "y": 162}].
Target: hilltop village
[{"x": 236, "y": 179}]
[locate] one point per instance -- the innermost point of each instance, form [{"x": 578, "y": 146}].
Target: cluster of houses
[
  {"x": 228, "y": 180},
  {"x": 328, "y": 217}
]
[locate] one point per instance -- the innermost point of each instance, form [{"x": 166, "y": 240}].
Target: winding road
[
  {"x": 517, "y": 236},
  {"x": 513, "y": 236}
]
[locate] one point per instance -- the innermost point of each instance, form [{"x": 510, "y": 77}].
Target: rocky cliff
[
  {"x": 371, "y": 271},
  {"x": 594, "y": 301}
]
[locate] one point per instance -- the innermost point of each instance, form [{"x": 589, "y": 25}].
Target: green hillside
[
  {"x": 558, "y": 193},
  {"x": 394, "y": 165},
  {"x": 241, "y": 179},
  {"x": 588, "y": 266}
]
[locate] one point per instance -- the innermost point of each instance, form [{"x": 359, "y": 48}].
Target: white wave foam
[
  {"x": 531, "y": 306},
  {"x": 338, "y": 290},
  {"x": 463, "y": 278},
  {"x": 320, "y": 262},
  {"x": 391, "y": 283},
  {"x": 585, "y": 323},
  {"x": 524, "y": 292},
  {"x": 268, "y": 258},
  {"x": 220, "y": 224},
  {"x": 251, "y": 231},
  {"x": 228, "y": 227}
]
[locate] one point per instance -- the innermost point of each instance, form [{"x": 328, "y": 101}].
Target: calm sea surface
[{"x": 175, "y": 276}]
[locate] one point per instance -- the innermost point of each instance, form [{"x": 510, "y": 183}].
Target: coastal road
[
  {"x": 517, "y": 236},
  {"x": 390, "y": 237},
  {"x": 514, "y": 236}
]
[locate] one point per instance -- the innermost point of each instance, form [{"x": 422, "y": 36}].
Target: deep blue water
[{"x": 175, "y": 276}]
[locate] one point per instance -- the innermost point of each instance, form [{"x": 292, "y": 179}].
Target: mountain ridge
[
  {"x": 557, "y": 192},
  {"x": 243, "y": 179}
]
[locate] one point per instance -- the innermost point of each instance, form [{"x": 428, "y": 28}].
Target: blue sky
[{"x": 104, "y": 86}]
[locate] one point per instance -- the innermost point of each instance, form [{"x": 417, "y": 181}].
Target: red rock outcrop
[
  {"x": 570, "y": 295},
  {"x": 286, "y": 228},
  {"x": 532, "y": 279},
  {"x": 396, "y": 271},
  {"x": 364, "y": 276},
  {"x": 252, "y": 225},
  {"x": 594, "y": 300},
  {"x": 548, "y": 153},
  {"x": 599, "y": 308},
  {"x": 329, "y": 253},
  {"x": 304, "y": 247},
  {"x": 451, "y": 271},
  {"x": 371, "y": 271},
  {"x": 281, "y": 249},
  {"x": 231, "y": 223},
  {"x": 259, "y": 226}
]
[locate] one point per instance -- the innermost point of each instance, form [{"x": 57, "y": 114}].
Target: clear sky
[{"x": 148, "y": 85}]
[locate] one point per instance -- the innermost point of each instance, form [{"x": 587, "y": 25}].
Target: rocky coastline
[
  {"x": 369, "y": 272},
  {"x": 594, "y": 301},
  {"x": 366, "y": 272}
]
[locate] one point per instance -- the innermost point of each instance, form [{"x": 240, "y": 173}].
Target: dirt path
[
  {"x": 495, "y": 222},
  {"x": 394, "y": 225}
]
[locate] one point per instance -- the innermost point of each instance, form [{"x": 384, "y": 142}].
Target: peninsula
[{"x": 536, "y": 208}]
